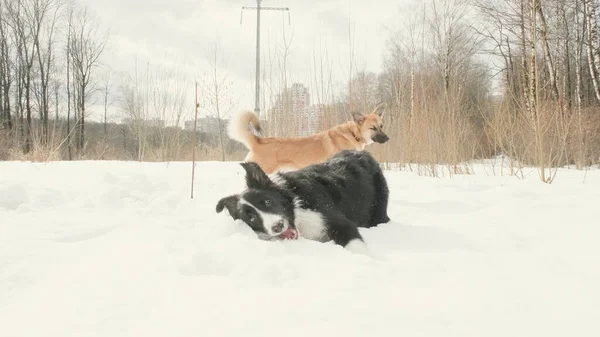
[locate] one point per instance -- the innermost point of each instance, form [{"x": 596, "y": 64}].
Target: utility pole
[
  {"x": 258, "y": 9},
  {"x": 196, "y": 106}
]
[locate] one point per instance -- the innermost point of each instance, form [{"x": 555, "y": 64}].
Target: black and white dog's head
[{"x": 264, "y": 206}]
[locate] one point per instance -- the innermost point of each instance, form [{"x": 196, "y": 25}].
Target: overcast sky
[{"x": 180, "y": 32}]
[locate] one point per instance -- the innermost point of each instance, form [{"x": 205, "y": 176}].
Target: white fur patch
[
  {"x": 268, "y": 219},
  {"x": 298, "y": 202},
  {"x": 277, "y": 179},
  {"x": 238, "y": 128},
  {"x": 286, "y": 169},
  {"x": 310, "y": 224},
  {"x": 357, "y": 246},
  {"x": 367, "y": 136}
]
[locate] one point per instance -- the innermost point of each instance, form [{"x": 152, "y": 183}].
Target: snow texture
[{"x": 120, "y": 249}]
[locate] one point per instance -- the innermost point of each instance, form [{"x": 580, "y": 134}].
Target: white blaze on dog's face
[
  {"x": 264, "y": 206},
  {"x": 266, "y": 214}
]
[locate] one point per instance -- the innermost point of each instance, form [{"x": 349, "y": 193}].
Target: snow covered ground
[{"x": 119, "y": 249}]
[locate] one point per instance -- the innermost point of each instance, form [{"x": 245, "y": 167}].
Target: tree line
[
  {"x": 472, "y": 79},
  {"x": 49, "y": 51},
  {"x": 463, "y": 79}
]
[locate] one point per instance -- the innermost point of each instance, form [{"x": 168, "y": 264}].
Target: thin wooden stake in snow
[{"x": 195, "y": 141}]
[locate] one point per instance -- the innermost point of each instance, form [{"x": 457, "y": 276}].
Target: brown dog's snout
[{"x": 380, "y": 138}]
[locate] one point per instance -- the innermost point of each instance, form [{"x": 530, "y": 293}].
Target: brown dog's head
[{"x": 371, "y": 126}]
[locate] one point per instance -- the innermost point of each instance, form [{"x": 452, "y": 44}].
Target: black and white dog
[{"x": 321, "y": 202}]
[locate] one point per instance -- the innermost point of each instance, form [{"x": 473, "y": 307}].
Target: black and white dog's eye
[{"x": 267, "y": 202}]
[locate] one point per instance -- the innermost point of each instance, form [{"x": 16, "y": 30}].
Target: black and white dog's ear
[
  {"x": 255, "y": 176},
  {"x": 231, "y": 203},
  {"x": 358, "y": 117}
]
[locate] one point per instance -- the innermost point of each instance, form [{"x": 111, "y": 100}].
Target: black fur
[{"x": 347, "y": 191}]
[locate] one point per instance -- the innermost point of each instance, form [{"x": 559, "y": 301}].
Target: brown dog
[{"x": 274, "y": 154}]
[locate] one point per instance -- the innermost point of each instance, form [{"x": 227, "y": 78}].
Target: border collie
[{"x": 322, "y": 202}]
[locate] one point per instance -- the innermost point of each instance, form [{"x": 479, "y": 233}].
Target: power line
[{"x": 258, "y": 9}]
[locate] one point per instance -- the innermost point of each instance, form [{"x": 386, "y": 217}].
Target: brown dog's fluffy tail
[{"x": 239, "y": 130}]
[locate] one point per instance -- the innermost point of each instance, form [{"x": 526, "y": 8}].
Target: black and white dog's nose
[{"x": 278, "y": 227}]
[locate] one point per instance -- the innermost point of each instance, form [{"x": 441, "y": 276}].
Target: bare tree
[
  {"x": 579, "y": 38},
  {"x": 453, "y": 41},
  {"x": 44, "y": 15},
  {"x": 366, "y": 95},
  {"x": 216, "y": 95},
  {"x": 69, "y": 82},
  {"x": 133, "y": 105},
  {"x": 168, "y": 103},
  {"x": 86, "y": 47},
  {"x": 5, "y": 70},
  {"x": 107, "y": 98},
  {"x": 26, "y": 30},
  {"x": 326, "y": 112},
  {"x": 546, "y": 48},
  {"x": 593, "y": 46}
]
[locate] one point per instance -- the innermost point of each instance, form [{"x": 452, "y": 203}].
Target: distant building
[{"x": 291, "y": 115}]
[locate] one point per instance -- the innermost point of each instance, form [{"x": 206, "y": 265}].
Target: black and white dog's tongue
[{"x": 290, "y": 234}]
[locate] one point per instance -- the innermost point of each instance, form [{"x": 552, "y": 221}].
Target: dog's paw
[{"x": 357, "y": 246}]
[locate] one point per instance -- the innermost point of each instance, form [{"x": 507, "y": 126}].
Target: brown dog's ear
[
  {"x": 380, "y": 109},
  {"x": 231, "y": 203},
  {"x": 358, "y": 117}
]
